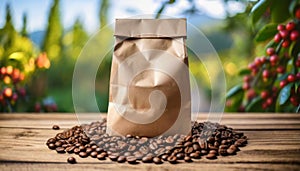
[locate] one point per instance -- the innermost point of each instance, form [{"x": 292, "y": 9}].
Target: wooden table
[{"x": 274, "y": 144}]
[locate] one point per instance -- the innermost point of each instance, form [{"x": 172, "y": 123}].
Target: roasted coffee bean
[
  {"x": 157, "y": 160},
  {"x": 121, "y": 159},
  {"x": 71, "y": 160},
  {"x": 60, "y": 150},
  {"x": 88, "y": 150},
  {"x": 94, "y": 154},
  {"x": 51, "y": 140},
  {"x": 131, "y": 160},
  {"x": 101, "y": 157},
  {"x": 55, "y": 127},
  {"x": 213, "y": 152},
  {"x": 70, "y": 149},
  {"x": 195, "y": 156},
  {"x": 147, "y": 159},
  {"x": 58, "y": 144},
  {"x": 113, "y": 157},
  {"x": 188, "y": 144},
  {"x": 172, "y": 159},
  {"x": 83, "y": 154},
  {"x": 196, "y": 147},
  {"x": 230, "y": 151},
  {"x": 188, "y": 150},
  {"x": 131, "y": 148},
  {"x": 81, "y": 148},
  {"x": 169, "y": 140},
  {"x": 187, "y": 159},
  {"x": 51, "y": 146},
  {"x": 164, "y": 157},
  {"x": 204, "y": 152},
  {"x": 153, "y": 146},
  {"x": 211, "y": 156},
  {"x": 180, "y": 156}
]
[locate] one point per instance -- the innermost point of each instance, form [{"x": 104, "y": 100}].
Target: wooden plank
[{"x": 149, "y": 167}]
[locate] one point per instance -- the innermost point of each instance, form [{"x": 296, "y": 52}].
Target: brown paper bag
[{"x": 149, "y": 83}]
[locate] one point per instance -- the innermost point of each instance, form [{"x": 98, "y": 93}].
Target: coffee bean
[
  {"x": 121, "y": 159},
  {"x": 187, "y": 159},
  {"x": 196, "y": 147},
  {"x": 101, "y": 157},
  {"x": 180, "y": 156},
  {"x": 153, "y": 146},
  {"x": 169, "y": 140},
  {"x": 58, "y": 144},
  {"x": 94, "y": 154},
  {"x": 211, "y": 156},
  {"x": 164, "y": 157},
  {"x": 88, "y": 150},
  {"x": 81, "y": 148},
  {"x": 187, "y": 144},
  {"x": 76, "y": 150},
  {"x": 131, "y": 160},
  {"x": 55, "y": 127},
  {"x": 51, "y": 140},
  {"x": 71, "y": 160},
  {"x": 172, "y": 159},
  {"x": 195, "y": 156},
  {"x": 70, "y": 149},
  {"x": 157, "y": 160},
  {"x": 230, "y": 151},
  {"x": 51, "y": 146},
  {"x": 83, "y": 154},
  {"x": 147, "y": 159},
  {"x": 188, "y": 150},
  {"x": 60, "y": 150},
  {"x": 204, "y": 152},
  {"x": 131, "y": 148},
  {"x": 113, "y": 157}
]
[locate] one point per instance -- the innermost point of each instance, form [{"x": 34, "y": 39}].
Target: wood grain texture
[{"x": 274, "y": 144}]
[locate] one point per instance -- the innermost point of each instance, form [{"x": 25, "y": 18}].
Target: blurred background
[{"x": 41, "y": 40}]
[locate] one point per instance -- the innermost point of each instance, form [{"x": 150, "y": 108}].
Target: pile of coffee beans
[{"x": 207, "y": 140}]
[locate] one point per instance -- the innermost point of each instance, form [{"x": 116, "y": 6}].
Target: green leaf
[
  {"x": 244, "y": 72},
  {"x": 285, "y": 94},
  {"x": 293, "y": 6},
  {"x": 267, "y": 32},
  {"x": 233, "y": 91},
  {"x": 279, "y": 11},
  {"x": 255, "y": 105},
  {"x": 294, "y": 49},
  {"x": 258, "y": 10}
]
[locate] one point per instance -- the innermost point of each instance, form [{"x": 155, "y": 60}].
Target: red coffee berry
[
  {"x": 266, "y": 73},
  {"x": 257, "y": 61},
  {"x": 3, "y": 71},
  {"x": 246, "y": 86},
  {"x": 298, "y": 63},
  {"x": 294, "y": 100},
  {"x": 294, "y": 35},
  {"x": 263, "y": 59},
  {"x": 286, "y": 43},
  {"x": 277, "y": 38},
  {"x": 284, "y": 34},
  {"x": 280, "y": 27},
  {"x": 282, "y": 83},
  {"x": 264, "y": 105},
  {"x": 291, "y": 78},
  {"x": 252, "y": 66},
  {"x": 270, "y": 51},
  {"x": 290, "y": 26},
  {"x": 264, "y": 94},
  {"x": 269, "y": 101},
  {"x": 297, "y": 13},
  {"x": 247, "y": 78},
  {"x": 274, "y": 59},
  {"x": 298, "y": 77},
  {"x": 250, "y": 94},
  {"x": 280, "y": 69},
  {"x": 14, "y": 97}
]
